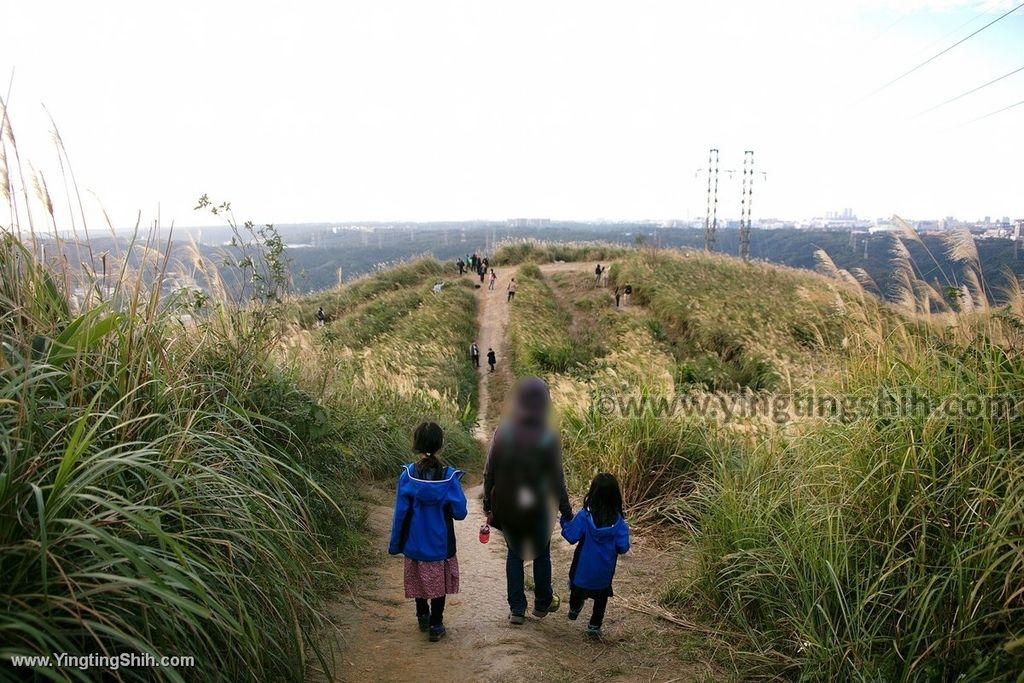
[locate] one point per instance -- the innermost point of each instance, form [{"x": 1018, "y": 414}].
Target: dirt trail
[{"x": 380, "y": 638}]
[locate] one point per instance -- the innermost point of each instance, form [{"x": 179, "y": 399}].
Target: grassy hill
[
  {"x": 183, "y": 472},
  {"x": 872, "y": 533}
]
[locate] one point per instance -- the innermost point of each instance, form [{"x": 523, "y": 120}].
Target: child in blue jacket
[
  {"x": 602, "y": 535},
  {"x": 429, "y": 498}
]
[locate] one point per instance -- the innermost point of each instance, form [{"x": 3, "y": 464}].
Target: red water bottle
[{"x": 485, "y": 533}]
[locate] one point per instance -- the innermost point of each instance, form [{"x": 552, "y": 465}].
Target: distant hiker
[
  {"x": 628, "y": 291},
  {"x": 511, "y": 290},
  {"x": 523, "y": 474},
  {"x": 462, "y": 266},
  {"x": 487, "y": 263},
  {"x": 475, "y": 261},
  {"x": 494, "y": 279},
  {"x": 618, "y": 295},
  {"x": 600, "y": 533},
  {"x": 492, "y": 359},
  {"x": 428, "y": 500},
  {"x": 598, "y": 270},
  {"x": 483, "y": 272},
  {"x": 321, "y": 317},
  {"x": 474, "y": 354}
]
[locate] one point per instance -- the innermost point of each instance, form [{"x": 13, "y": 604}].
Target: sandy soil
[{"x": 381, "y": 641}]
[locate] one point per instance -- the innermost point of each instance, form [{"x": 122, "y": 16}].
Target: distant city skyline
[{"x": 403, "y": 111}]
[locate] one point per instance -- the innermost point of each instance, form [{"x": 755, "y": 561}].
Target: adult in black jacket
[{"x": 522, "y": 476}]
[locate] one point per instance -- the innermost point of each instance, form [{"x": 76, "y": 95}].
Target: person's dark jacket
[{"x": 523, "y": 472}]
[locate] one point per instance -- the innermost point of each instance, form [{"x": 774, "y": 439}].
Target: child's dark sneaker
[
  {"x": 593, "y": 632},
  {"x": 573, "y": 614},
  {"x": 517, "y": 619},
  {"x": 424, "y": 621},
  {"x": 437, "y": 633},
  {"x": 556, "y": 602}
]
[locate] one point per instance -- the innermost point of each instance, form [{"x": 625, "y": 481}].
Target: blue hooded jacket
[
  {"x": 424, "y": 509},
  {"x": 599, "y": 549}
]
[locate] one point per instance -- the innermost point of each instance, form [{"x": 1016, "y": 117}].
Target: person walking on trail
[
  {"x": 618, "y": 295},
  {"x": 598, "y": 271},
  {"x": 494, "y": 279},
  {"x": 462, "y": 266},
  {"x": 487, "y": 263},
  {"x": 492, "y": 359},
  {"x": 600, "y": 533},
  {"x": 321, "y": 317},
  {"x": 511, "y": 290},
  {"x": 523, "y": 474},
  {"x": 628, "y": 292},
  {"x": 483, "y": 272},
  {"x": 428, "y": 500},
  {"x": 474, "y": 354}
]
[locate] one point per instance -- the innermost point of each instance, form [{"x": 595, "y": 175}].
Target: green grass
[
  {"x": 156, "y": 494},
  {"x": 391, "y": 361},
  {"x": 732, "y": 325},
  {"x": 886, "y": 548},
  {"x": 536, "y": 251},
  {"x": 542, "y": 338},
  {"x": 188, "y": 485}
]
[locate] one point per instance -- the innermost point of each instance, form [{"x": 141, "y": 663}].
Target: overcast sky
[{"x": 427, "y": 110}]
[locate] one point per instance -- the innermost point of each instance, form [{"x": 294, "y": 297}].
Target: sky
[{"x": 458, "y": 110}]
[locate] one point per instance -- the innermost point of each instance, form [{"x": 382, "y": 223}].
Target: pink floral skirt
[{"x": 431, "y": 579}]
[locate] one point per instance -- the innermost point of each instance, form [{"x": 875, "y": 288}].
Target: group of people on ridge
[
  {"x": 523, "y": 475},
  {"x": 479, "y": 265}
]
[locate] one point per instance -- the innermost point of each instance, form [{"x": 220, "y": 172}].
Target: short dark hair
[{"x": 428, "y": 438}]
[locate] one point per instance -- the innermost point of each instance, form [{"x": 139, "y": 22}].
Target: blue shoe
[
  {"x": 593, "y": 632},
  {"x": 437, "y": 633}
]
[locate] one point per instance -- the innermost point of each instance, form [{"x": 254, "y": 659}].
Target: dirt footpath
[{"x": 377, "y": 625}]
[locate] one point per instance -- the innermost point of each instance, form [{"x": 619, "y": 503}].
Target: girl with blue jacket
[
  {"x": 429, "y": 498},
  {"x": 601, "y": 535}
]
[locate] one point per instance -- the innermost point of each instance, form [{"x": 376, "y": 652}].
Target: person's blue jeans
[{"x": 515, "y": 576}]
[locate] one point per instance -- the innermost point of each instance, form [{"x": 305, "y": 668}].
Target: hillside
[
  {"x": 216, "y": 475},
  {"x": 837, "y": 538}
]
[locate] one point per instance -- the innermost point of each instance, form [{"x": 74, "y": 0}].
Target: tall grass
[
  {"x": 153, "y": 496},
  {"x": 514, "y": 252},
  {"x": 392, "y": 354},
  {"x": 888, "y": 548},
  {"x": 542, "y": 338}
]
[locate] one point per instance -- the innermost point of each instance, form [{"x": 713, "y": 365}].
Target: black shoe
[
  {"x": 424, "y": 621},
  {"x": 517, "y": 619}
]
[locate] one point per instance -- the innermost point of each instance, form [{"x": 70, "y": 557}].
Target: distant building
[{"x": 528, "y": 222}]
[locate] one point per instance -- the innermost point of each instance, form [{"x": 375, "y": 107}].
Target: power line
[
  {"x": 997, "y": 111},
  {"x": 972, "y": 90},
  {"x": 936, "y": 56}
]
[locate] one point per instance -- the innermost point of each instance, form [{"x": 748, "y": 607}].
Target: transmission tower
[
  {"x": 711, "y": 217},
  {"x": 745, "y": 202}
]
